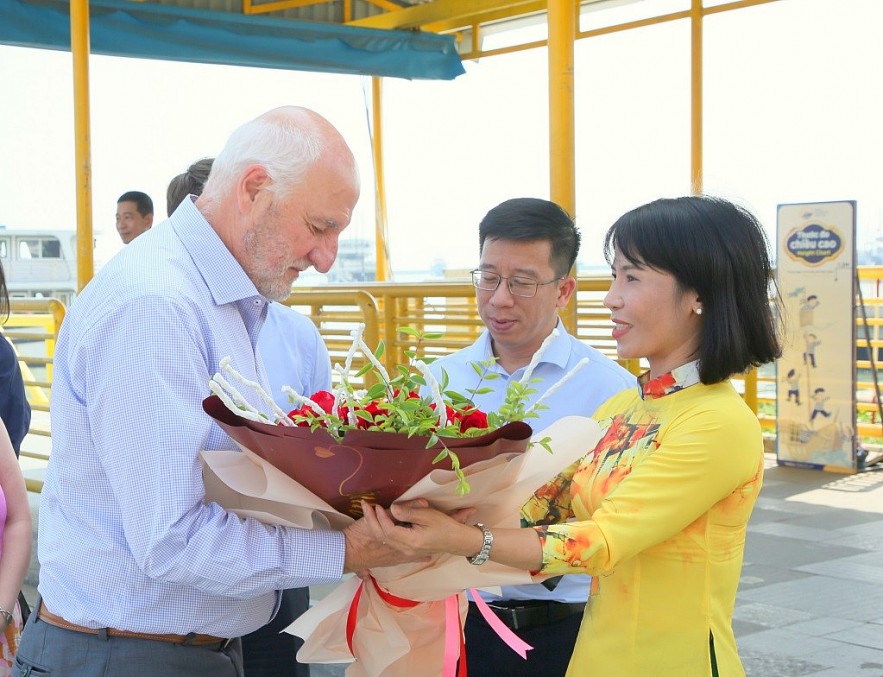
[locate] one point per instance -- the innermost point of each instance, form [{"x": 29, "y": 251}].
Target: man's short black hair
[
  {"x": 142, "y": 201},
  {"x": 530, "y": 219}
]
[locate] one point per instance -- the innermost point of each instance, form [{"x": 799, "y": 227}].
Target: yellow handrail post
[
  {"x": 696, "y": 19},
  {"x": 382, "y": 267},
  {"x": 79, "y": 10},
  {"x": 562, "y": 163},
  {"x": 751, "y": 390}
]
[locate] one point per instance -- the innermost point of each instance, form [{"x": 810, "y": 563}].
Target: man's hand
[{"x": 365, "y": 549}]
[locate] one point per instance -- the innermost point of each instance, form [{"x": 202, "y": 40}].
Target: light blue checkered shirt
[
  {"x": 294, "y": 354},
  {"x": 125, "y": 539},
  {"x": 599, "y": 380}
]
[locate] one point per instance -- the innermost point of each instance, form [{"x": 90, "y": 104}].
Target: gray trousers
[{"x": 48, "y": 650}]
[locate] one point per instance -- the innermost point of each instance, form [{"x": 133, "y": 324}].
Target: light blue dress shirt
[
  {"x": 596, "y": 382},
  {"x": 293, "y": 354},
  {"x": 126, "y": 540}
]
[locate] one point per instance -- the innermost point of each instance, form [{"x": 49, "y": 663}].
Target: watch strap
[{"x": 485, "y": 551}]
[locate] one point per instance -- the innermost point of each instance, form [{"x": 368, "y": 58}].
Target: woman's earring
[{"x": 698, "y": 310}]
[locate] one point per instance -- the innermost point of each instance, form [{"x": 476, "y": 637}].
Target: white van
[{"x": 39, "y": 263}]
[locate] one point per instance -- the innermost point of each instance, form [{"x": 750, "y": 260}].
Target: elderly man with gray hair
[{"x": 139, "y": 576}]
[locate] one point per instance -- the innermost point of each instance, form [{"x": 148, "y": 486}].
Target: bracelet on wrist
[{"x": 485, "y": 551}]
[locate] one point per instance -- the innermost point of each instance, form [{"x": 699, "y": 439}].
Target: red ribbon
[{"x": 452, "y": 615}]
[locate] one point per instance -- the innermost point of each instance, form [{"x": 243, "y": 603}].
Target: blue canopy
[{"x": 150, "y": 31}]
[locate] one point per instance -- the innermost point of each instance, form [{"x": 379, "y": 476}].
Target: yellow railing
[
  {"x": 336, "y": 313},
  {"x": 447, "y": 307},
  {"x": 32, "y": 327}
]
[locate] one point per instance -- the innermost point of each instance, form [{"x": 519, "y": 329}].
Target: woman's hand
[{"x": 414, "y": 529}]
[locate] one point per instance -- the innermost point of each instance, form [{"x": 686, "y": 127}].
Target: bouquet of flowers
[{"x": 310, "y": 468}]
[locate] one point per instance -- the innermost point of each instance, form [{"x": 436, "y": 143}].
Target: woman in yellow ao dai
[{"x": 658, "y": 510}]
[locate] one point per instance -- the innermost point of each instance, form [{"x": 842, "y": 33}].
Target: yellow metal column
[
  {"x": 696, "y": 17},
  {"x": 80, "y": 51},
  {"x": 562, "y": 164},
  {"x": 380, "y": 233}
]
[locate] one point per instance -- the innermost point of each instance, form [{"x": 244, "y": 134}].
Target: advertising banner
[{"x": 815, "y": 378}]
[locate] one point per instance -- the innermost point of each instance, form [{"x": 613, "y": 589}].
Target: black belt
[{"x": 525, "y": 614}]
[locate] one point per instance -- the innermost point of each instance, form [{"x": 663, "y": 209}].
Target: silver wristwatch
[{"x": 485, "y": 551}]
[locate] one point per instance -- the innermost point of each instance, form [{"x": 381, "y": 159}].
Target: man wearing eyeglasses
[{"x": 528, "y": 247}]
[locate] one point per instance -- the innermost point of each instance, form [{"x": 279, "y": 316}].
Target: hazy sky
[{"x": 792, "y": 109}]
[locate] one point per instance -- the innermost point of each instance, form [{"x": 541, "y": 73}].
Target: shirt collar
[
  {"x": 223, "y": 275},
  {"x": 677, "y": 379},
  {"x": 558, "y": 353}
]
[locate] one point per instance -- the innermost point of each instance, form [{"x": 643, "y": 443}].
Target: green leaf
[
  {"x": 381, "y": 347},
  {"x": 408, "y": 331},
  {"x": 375, "y": 392}
]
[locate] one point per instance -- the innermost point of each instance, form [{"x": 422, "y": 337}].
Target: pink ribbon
[
  {"x": 512, "y": 640},
  {"x": 455, "y": 644}
]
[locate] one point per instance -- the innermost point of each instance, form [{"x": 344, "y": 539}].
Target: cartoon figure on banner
[
  {"x": 810, "y": 303},
  {"x": 819, "y": 404},
  {"x": 793, "y": 381},
  {"x": 809, "y": 353}
]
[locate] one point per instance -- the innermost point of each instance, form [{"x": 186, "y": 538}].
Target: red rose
[
  {"x": 324, "y": 399},
  {"x": 473, "y": 418},
  {"x": 306, "y": 415},
  {"x": 373, "y": 409}
]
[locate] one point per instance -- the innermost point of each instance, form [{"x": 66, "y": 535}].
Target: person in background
[
  {"x": 134, "y": 215},
  {"x": 15, "y": 551},
  {"x": 658, "y": 510},
  {"x": 528, "y": 247},
  {"x": 139, "y": 575},
  {"x": 14, "y": 407},
  {"x": 15, "y": 510},
  {"x": 293, "y": 354},
  {"x": 187, "y": 183}
]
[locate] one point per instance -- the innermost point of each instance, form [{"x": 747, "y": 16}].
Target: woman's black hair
[{"x": 720, "y": 251}]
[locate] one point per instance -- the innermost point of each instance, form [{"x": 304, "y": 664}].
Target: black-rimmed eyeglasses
[{"x": 518, "y": 286}]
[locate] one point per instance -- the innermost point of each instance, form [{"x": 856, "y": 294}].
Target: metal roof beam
[
  {"x": 249, "y": 7},
  {"x": 488, "y": 17},
  {"x": 452, "y": 14}
]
